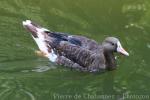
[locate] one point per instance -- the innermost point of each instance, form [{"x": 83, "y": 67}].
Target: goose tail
[{"x": 40, "y": 36}]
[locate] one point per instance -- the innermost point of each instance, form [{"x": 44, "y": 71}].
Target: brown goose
[{"x": 75, "y": 51}]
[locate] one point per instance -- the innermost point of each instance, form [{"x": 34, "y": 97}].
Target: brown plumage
[{"x": 76, "y": 52}]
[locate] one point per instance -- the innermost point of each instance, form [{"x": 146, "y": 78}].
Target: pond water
[{"x": 24, "y": 76}]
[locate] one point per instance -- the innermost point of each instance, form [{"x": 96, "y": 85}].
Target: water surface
[{"x": 24, "y": 76}]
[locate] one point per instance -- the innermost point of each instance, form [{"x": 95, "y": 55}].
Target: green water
[{"x": 24, "y": 76}]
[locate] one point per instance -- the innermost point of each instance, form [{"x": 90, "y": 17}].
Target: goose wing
[{"x": 64, "y": 37}]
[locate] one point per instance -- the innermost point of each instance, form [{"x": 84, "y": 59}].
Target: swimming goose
[{"x": 75, "y": 51}]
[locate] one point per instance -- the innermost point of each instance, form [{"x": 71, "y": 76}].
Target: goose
[{"x": 74, "y": 51}]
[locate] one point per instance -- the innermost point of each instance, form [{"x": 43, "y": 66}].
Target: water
[{"x": 24, "y": 76}]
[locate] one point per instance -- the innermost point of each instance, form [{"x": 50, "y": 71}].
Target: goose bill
[{"x": 121, "y": 50}]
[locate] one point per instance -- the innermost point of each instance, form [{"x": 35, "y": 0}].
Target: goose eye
[{"x": 112, "y": 43}]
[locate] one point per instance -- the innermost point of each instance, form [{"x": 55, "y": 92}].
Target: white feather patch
[{"x": 40, "y": 41}]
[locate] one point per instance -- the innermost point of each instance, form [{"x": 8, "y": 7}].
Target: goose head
[{"x": 112, "y": 44}]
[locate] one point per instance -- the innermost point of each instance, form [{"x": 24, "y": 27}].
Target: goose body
[{"x": 75, "y": 51}]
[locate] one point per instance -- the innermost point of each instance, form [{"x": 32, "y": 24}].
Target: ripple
[
  {"x": 148, "y": 45},
  {"x": 41, "y": 69},
  {"x": 134, "y": 7},
  {"x": 134, "y": 25},
  {"x": 4, "y": 92},
  {"x": 29, "y": 94}
]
